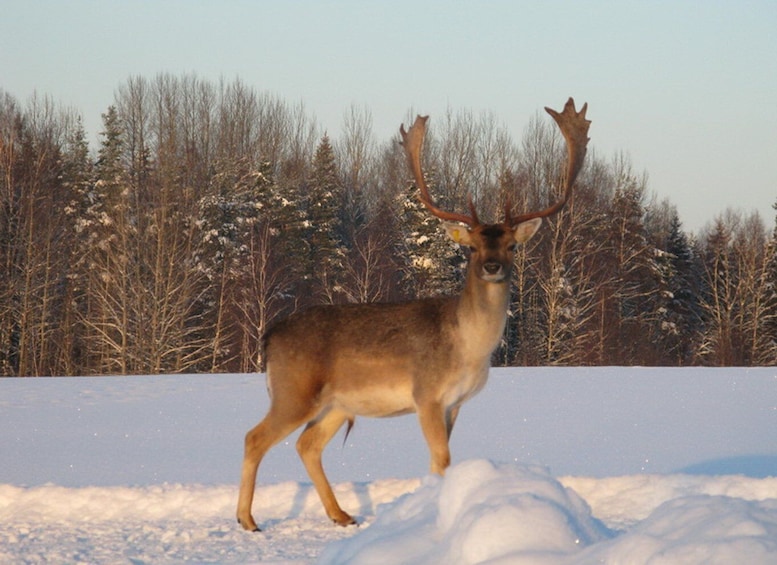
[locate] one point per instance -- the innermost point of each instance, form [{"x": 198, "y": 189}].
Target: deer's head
[{"x": 493, "y": 245}]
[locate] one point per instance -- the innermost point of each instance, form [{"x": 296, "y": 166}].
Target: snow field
[
  {"x": 480, "y": 512},
  {"x": 551, "y": 466},
  {"x": 513, "y": 514},
  {"x": 172, "y": 523}
]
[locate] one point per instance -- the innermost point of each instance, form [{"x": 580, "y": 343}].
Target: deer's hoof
[
  {"x": 249, "y": 526},
  {"x": 345, "y": 520}
]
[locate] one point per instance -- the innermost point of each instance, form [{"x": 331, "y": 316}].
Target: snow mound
[
  {"x": 513, "y": 514},
  {"x": 623, "y": 502},
  {"x": 697, "y": 530},
  {"x": 480, "y": 512}
]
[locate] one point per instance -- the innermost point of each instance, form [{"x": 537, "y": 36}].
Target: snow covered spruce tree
[
  {"x": 245, "y": 225},
  {"x": 325, "y": 228},
  {"x": 108, "y": 238},
  {"x": 434, "y": 265},
  {"x": 135, "y": 250},
  {"x": 77, "y": 183},
  {"x": 272, "y": 277},
  {"x": 638, "y": 287},
  {"x": 683, "y": 321},
  {"x": 112, "y": 235}
]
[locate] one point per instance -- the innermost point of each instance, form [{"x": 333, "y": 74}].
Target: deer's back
[{"x": 380, "y": 328}]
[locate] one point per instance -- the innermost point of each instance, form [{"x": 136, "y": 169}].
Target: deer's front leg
[
  {"x": 450, "y": 419},
  {"x": 435, "y": 428}
]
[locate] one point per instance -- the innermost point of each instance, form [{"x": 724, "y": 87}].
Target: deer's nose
[{"x": 492, "y": 268}]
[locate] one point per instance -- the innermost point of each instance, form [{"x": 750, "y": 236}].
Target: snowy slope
[{"x": 550, "y": 466}]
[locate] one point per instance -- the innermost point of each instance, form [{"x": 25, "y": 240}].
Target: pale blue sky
[{"x": 687, "y": 89}]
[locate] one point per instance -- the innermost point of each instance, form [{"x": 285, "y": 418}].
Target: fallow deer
[{"x": 329, "y": 364}]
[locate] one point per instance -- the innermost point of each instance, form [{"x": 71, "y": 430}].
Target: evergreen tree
[
  {"x": 639, "y": 288},
  {"x": 109, "y": 167},
  {"x": 108, "y": 235},
  {"x": 77, "y": 174},
  {"x": 683, "y": 319},
  {"x": 718, "y": 273},
  {"x": 434, "y": 265},
  {"x": 326, "y": 233},
  {"x": 247, "y": 226},
  {"x": 227, "y": 215}
]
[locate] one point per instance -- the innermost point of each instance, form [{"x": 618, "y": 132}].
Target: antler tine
[
  {"x": 574, "y": 128},
  {"x": 412, "y": 141}
]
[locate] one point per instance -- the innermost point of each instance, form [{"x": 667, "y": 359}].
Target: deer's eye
[
  {"x": 472, "y": 249},
  {"x": 512, "y": 247}
]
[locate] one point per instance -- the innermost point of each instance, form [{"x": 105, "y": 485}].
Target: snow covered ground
[{"x": 551, "y": 466}]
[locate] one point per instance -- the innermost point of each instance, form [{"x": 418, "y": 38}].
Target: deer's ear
[
  {"x": 524, "y": 231},
  {"x": 457, "y": 233}
]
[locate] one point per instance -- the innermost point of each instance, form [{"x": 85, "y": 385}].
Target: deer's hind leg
[
  {"x": 276, "y": 425},
  {"x": 310, "y": 446}
]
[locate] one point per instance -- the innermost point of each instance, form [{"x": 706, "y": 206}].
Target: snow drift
[
  {"x": 512, "y": 514},
  {"x": 478, "y": 513}
]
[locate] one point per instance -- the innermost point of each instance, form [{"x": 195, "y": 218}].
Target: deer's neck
[{"x": 482, "y": 313}]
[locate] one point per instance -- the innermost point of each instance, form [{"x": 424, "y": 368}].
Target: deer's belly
[
  {"x": 374, "y": 389},
  {"x": 377, "y": 403}
]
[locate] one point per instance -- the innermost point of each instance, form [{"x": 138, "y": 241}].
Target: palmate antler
[
  {"x": 574, "y": 127},
  {"x": 412, "y": 141}
]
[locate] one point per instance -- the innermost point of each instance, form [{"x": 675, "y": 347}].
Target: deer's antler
[
  {"x": 412, "y": 141},
  {"x": 574, "y": 128}
]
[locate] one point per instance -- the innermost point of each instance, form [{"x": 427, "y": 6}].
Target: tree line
[{"x": 208, "y": 210}]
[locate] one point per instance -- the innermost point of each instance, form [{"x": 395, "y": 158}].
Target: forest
[{"x": 207, "y": 210}]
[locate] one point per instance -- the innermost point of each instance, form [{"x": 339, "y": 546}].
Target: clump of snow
[
  {"x": 624, "y": 501},
  {"x": 478, "y": 513},
  {"x": 512, "y": 514},
  {"x": 697, "y": 530}
]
